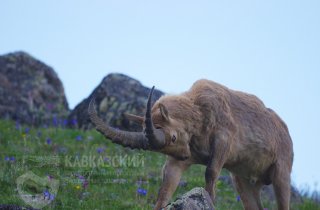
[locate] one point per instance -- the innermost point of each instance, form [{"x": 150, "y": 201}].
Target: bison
[{"x": 217, "y": 127}]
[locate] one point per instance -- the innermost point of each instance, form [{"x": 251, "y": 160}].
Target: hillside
[
  {"x": 46, "y": 161},
  {"x": 82, "y": 170}
]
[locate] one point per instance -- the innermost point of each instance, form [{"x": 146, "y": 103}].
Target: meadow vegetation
[{"x": 92, "y": 172}]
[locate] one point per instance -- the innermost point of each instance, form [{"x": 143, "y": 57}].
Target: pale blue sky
[{"x": 268, "y": 48}]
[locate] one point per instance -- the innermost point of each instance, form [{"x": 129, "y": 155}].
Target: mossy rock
[{"x": 30, "y": 91}]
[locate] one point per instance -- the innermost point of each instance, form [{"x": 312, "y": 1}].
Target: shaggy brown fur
[{"x": 222, "y": 128}]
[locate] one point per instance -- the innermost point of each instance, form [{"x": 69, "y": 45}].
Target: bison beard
[{"x": 218, "y": 127}]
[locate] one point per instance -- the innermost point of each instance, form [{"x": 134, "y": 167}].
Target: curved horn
[
  {"x": 156, "y": 137},
  {"x": 134, "y": 140}
]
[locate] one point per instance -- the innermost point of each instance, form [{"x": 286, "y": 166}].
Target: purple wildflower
[
  {"x": 55, "y": 121},
  {"x": 51, "y": 197},
  {"x": 141, "y": 191},
  {"x": 46, "y": 194},
  {"x": 17, "y": 125},
  {"x": 7, "y": 158},
  {"x": 85, "y": 184},
  {"x": 65, "y": 122},
  {"x": 100, "y": 150},
  {"x": 12, "y": 159},
  {"x": 81, "y": 177},
  {"x": 84, "y": 181},
  {"x": 74, "y": 122},
  {"x": 39, "y": 133},
  {"x": 27, "y": 130},
  {"x": 49, "y": 141},
  {"x": 79, "y": 138},
  {"x": 238, "y": 198}
]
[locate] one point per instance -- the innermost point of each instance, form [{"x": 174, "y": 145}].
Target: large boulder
[
  {"x": 196, "y": 199},
  {"x": 30, "y": 91},
  {"x": 115, "y": 95}
]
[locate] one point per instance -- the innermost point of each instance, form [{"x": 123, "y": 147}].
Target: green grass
[{"x": 92, "y": 172}]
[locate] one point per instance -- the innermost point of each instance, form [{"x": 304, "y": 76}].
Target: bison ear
[
  {"x": 164, "y": 112},
  {"x": 134, "y": 118}
]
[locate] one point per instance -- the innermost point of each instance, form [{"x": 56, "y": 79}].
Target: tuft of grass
[{"x": 92, "y": 172}]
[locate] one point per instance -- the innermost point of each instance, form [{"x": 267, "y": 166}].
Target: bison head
[{"x": 160, "y": 133}]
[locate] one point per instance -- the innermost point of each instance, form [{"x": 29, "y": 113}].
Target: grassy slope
[{"x": 110, "y": 180}]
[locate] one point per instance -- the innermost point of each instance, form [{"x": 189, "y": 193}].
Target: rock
[
  {"x": 115, "y": 95},
  {"x": 30, "y": 91},
  {"x": 196, "y": 199}
]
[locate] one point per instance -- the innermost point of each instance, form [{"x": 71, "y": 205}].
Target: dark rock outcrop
[
  {"x": 196, "y": 199},
  {"x": 30, "y": 91},
  {"x": 115, "y": 95}
]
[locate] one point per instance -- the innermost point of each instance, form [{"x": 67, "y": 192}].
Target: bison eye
[{"x": 173, "y": 139}]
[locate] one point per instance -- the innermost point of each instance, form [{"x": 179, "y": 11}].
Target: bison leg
[
  {"x": 281, "y": 186},
  {"x": 211, "y": 178},
  {"x": 220, "y": 148},
  {"x": 171, "y": 174},
  {"x": 249, "y": 193}
]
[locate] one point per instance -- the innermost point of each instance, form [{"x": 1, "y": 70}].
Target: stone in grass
[{"x": 196, "y": 199}]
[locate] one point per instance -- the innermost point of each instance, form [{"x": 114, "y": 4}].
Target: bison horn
[
  {"x": 156, "y": 137},
  {"x": 134, "y": 140},
  {"x": 151, "y": 138}
]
